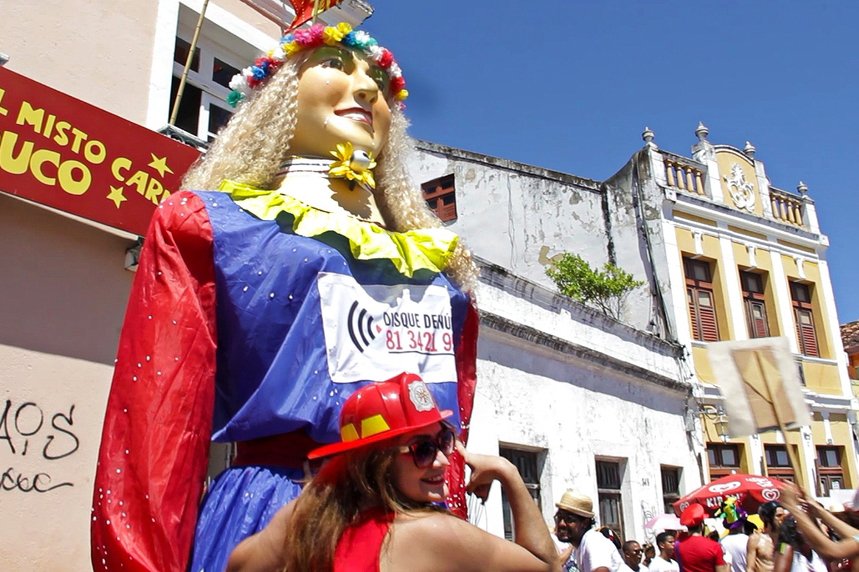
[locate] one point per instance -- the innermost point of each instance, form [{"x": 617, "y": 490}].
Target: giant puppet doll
[{"x": 306, "y": 267}]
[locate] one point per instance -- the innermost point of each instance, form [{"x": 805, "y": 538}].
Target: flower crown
[{"x": 315, "y": 36}]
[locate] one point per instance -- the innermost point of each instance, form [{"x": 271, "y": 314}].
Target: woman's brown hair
[{"x": 344, "y": 489}]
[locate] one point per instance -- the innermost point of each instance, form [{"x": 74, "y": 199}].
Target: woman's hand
[
  {"x": 788, "y": 495},
  {"x": 484, "y": 470},
  {"x": 792, "y": 497},
  {"x": 529, "y": 529}
]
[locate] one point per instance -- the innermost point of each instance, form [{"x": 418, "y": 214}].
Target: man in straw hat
[{"x": 574, "y": 523}]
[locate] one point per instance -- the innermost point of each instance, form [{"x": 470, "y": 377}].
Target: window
[
  {"x": 803, "y": 315},
  {"x": 527, "y": 462},
  {"x": 778, "y": 463},
  {"x": 670, "y": 487},
  {"x": 830, "y": 474},
  {"x": 723, "y": 459},
  {"x": 754, "y": 301},
  {"x": 203, "y": 109},
  {"x": 699, "y": 293},
  {"x": 609, "y": 478},
  {"x": 440, "y": 195}
]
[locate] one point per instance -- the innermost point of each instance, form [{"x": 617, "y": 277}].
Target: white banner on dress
[{"x": 377, "y": 331}]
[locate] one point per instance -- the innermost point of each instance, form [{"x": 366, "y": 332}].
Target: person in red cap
[
  {"x": 375, "y": 504},
  {"x": 696, "y": 552}
]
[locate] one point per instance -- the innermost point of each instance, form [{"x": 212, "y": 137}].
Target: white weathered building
[
  {"x": 576, "y": 398},
  {"x": 724, "y": 255}
]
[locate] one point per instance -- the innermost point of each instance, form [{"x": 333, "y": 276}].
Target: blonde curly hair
[{"x": 251, "y": 148}]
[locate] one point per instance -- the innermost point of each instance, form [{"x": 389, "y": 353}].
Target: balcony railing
[
  {"x": 786, "y": 207},
  {"x": 684, "y": 174}
]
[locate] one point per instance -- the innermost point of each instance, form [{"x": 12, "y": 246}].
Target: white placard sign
[
  {"x": 760, "y": 382},
  {"x": 376, "y": 332}
]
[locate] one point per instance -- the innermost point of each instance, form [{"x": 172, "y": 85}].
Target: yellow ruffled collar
[{"x": 410, "y": 251}]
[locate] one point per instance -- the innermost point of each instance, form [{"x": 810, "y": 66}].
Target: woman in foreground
[{"x": 376, "y": 503}]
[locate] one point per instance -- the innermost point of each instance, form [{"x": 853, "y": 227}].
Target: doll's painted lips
[{"x": 356, "y": 114}]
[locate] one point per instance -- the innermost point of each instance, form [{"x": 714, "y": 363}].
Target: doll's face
[{"x": 341, "y": 98}]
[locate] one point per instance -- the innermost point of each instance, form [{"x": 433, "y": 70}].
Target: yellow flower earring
[{"x": 354, "y": 165}]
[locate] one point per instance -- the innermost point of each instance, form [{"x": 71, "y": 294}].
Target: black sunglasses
[
  {"x": 566, "y": 517},
  {"x": 425, "y": 449}
]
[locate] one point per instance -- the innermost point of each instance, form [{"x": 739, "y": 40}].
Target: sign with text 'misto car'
[{"x": 67, "y": 154}]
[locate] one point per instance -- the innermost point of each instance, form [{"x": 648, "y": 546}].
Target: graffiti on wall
[{"x": 32, "y": 435}]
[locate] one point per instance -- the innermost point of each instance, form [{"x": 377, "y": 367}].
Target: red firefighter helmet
[{"x": 384, "y": 410}]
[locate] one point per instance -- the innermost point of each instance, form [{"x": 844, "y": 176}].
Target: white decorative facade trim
[
  {"x": 742, "y": 192},
  {"x": 698, "y": 237}
]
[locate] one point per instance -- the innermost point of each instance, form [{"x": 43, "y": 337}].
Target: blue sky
[{"x": 570, "y": 84}]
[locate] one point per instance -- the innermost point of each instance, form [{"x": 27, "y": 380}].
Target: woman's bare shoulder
[
  {"x": 431, "y": 524},
  {"x": 427, "y": 541},
  {"x": 440, "y": 542}
]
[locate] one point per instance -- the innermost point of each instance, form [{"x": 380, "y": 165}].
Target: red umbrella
[{"x": 750, "y": 491}]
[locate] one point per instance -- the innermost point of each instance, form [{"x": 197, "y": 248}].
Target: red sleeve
[
  {"x": 466, "y": 368},
  {"x": 719, "y": 554},
  {"x": 157, "y": 427}
]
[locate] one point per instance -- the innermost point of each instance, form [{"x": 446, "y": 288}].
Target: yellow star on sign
[
  {"x": 160, "y": 164},
  {"x": 116, "y": 196}
]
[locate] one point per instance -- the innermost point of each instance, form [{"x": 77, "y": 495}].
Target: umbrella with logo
[{"x": 751, "y": 491}]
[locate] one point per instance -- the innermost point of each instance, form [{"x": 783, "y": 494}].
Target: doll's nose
[{"x": 365, "y": 87}]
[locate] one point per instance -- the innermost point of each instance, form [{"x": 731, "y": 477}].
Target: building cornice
[
  {"x": 828, "y": 402},
  {"x": 706, "y": 209},
  {"x": 815, "y": 401},
  {"x": 594, "y": 358},
  {"x": 524, "y": 289},
  {"x": 508, "y": 165},
  {"x": 494, "y": 276},
  {"x": 719, "y": 232}
]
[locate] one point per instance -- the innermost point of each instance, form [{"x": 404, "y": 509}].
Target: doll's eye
[
  {"x": 331, "y": 57},
  {"x": 333, "y": 62}
]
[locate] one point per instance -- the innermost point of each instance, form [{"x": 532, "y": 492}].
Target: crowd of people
[{"x": 795, "y": 535}]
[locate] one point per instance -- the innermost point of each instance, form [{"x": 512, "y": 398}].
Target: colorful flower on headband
[
  {"x": 291, "y": 48},
  {"x": 332, "y": 35},
  {"x": 353, "y": 165},
  {"x": 385, "y": 59},
  {"x": 313, "y": 37},
  {"x": 234, "y": 98}
]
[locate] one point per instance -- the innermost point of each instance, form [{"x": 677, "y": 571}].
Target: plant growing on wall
[{"x": 605, "y": 289}]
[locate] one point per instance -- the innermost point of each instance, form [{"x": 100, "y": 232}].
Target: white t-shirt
[
  {"x": 595, "y": 551},
  {"x": 658, "y": 564},
  {"x": 801, "y": 563},
  {"x": 734, "y": 547}
]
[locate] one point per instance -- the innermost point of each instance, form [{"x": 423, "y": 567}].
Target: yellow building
[{"x": 752, "y": 259}]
